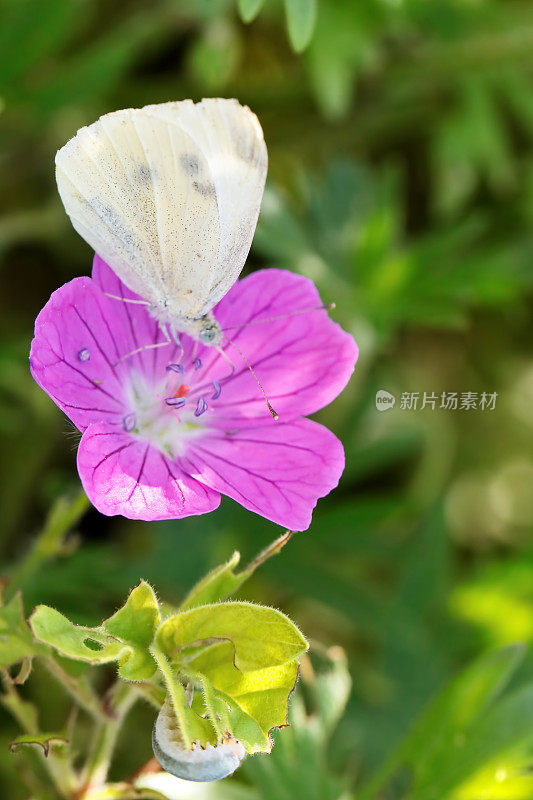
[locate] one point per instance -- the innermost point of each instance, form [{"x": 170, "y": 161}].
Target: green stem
[
  {"x": 207, "y": 689},
  {"x": 58, "y": 766},
  {"x": 271, "y": 550},
  {"x": 176, "y": 692},
  {"x": 25, "y": 715},
  {"x": 50, "y": 541},
  {"x": 78, "y": 688},
  {"x": 155, "y": 695},
  {"x": 123, "y": 696}
]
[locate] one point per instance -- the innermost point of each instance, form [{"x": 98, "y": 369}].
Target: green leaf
[
  {"x": 491, "y": 759},
  {"x": 44, "y": 740},
  {"x": 243, "y": 658},
  {"x": 16, "y": 641},
  {"x": 125, "y": 637},
  {"x": 301, "y": 21},
  {"x": 330, "y": 690},
  {"x": 223, "y": 581},
  {"x": 192, "y": 721},
  {"x": 136, "y": 623},
  {"x": 218, "y": 584},
  {"x": 299, "y": 765},
  {"x": 74, "y": 641},
  {"x": 459, "y": 704},
  {"x": 262, "y": 693},
  {"x": 249, "y": 9},
  {"x": 505, "y": 775},
  {"x": 448, "y": 742},
  {"x": 227, "y": 715},
  {"x": 261, "y": 637},
  {"x": 255, "y": 702}
]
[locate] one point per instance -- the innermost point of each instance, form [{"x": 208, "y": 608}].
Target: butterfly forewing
[{"x": 168, "y": 196}]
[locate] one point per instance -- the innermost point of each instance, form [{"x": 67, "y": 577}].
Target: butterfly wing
[
  {"x": 123, "y": 183},
  {"x": 231, "y": 139},
  {"x": 169, "y": 196}
]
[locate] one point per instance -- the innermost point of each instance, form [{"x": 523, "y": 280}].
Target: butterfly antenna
[
  {"x": 324, "y": 307},
  {"x": 275, "y": 415}
]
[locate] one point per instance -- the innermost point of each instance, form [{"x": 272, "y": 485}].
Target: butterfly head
[
  {"x": 204, "y": 329},
  {"x": 209, "y": 331}
]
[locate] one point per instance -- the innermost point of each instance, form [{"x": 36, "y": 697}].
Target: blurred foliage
[{"x": 400, "y": 136}]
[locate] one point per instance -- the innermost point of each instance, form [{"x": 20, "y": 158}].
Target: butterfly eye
[
  {"x": 209, "y": 763},
  {"x": 207, "y": 336},
  {"x": 210, "y": 332}
]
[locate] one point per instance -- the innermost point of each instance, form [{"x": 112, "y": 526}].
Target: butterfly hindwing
[{"x": 231, "y": 138}]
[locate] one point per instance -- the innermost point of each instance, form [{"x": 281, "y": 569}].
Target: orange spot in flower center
[{"x": 183, "y": 390}]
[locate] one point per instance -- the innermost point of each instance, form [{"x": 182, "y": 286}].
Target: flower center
[{"x": 167, "y": 414}]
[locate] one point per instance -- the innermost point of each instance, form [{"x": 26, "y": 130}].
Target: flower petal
[
  {"x": 303, "y": 361},
  {"x": 122, "y": 475},
  {"x": 74, "y": 352},
  {"x": 278, "y": 471}
]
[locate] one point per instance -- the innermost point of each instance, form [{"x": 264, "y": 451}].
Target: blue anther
[
  {"x": 201, "y": 407},
  {"x": 129, "y": 422},
  {"x": 174, "y": 368},
  {"x": 84, "y": 354},
  {"x": 218, "y": 388},
  {"x": 197, "y": 363},
  {"x": 175, "y": 402}
]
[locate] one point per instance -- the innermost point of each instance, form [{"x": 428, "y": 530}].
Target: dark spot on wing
[
  {"x": 190, "y": 164},
  {"x": 194, "y": 169},
  {"x": 243, "y": 145},
  {"x": 117, "y": 227},
  {"x": 144, "y": 173},
  {"x": 243, "y": 149},
  {"x": 205, "y": 188},
  {"x": 113, "y": 221}
]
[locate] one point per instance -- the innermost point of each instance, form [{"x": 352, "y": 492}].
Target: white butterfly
[{"x": 168, "y": 195}]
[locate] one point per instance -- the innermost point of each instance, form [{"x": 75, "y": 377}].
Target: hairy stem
[
  {"x": 50, "y": 541},
  {"x": 152, "y": 693},
  {"x": 122, "y": 697},
  {"x": 176, "y": 692},
  {"x": 78, "y": 688},
  {"x": 271, "y": 550},
  {"x": 58, "y": 766}
]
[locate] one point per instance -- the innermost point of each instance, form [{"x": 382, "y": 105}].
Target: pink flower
[{"x": 164, "y": 436}]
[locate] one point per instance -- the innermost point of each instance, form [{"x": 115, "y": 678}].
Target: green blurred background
[{"x": 400, "y": 138}]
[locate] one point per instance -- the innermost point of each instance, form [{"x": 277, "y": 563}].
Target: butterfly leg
[
  {"x": 167, "y": 341},
  {"x": 127, "y": 299},
  {"x": 176, "y": 337}
]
